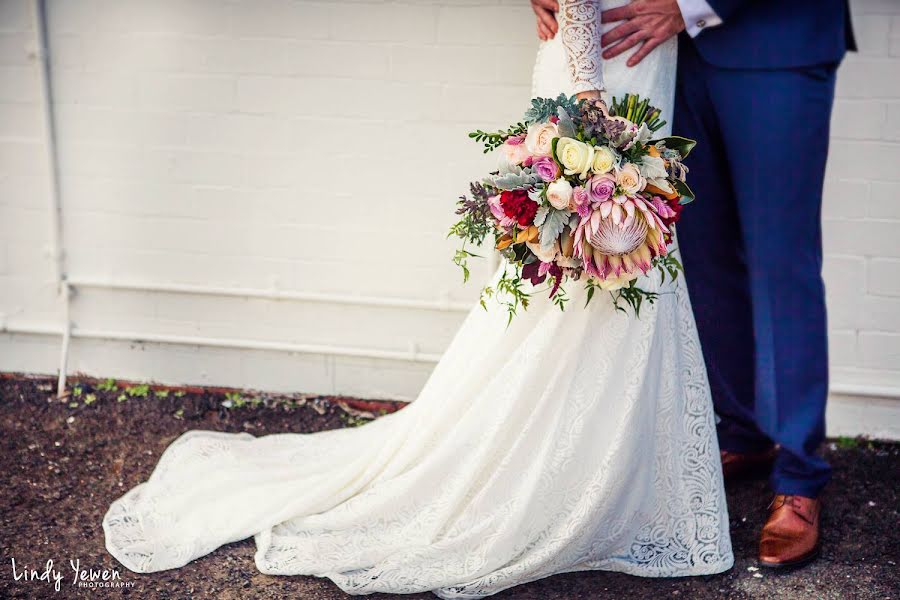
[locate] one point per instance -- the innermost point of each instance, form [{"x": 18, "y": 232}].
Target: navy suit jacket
[{"x": 777, "y": 34}]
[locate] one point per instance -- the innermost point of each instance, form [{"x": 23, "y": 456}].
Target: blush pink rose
[{"x": 515, "y": 151}]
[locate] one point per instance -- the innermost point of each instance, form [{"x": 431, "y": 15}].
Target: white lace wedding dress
[{"x": 570, "y": 440}]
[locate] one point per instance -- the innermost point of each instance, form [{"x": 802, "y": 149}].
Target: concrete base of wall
[
  {"x": 847, "y": 415},
  {"x": 175, "y": 364},
  {"x": 877, "y": 418}
]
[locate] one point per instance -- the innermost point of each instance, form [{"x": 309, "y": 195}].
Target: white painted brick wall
[
  {"x": 27, "y": 288},
  {"x": 862, "y": 204},
  {"x": 255, "y": 144}
]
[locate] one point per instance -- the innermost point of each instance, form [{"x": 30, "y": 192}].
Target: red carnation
[{"x": 517, "y": 205}]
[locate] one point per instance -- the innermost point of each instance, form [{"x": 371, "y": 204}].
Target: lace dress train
[{"x": 567, "y": 441}]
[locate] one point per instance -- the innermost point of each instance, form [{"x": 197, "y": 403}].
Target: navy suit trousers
[{"x": 752, "y": 250}]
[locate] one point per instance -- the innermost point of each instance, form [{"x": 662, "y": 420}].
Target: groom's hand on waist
[{"x": 645, "y": 22}]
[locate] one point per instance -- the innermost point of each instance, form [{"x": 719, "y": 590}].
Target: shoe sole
[{"x": 792, "y": 564}]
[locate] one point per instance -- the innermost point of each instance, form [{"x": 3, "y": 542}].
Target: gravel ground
[{"x": 63, "y": 462}]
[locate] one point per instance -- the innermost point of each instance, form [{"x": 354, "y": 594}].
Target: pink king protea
[{"x": 619, "y": 239}]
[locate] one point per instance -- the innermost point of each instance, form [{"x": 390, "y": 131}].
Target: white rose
[
  {"x": 539, "y": 140},
  {"x": 576, "y": 157},
  {"x": 604, "y": 160},
  {"x": 559, "y": 193},
  {"x": 629, "y": 178}
]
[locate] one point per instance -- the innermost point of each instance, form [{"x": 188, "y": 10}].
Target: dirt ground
[{"x": 63, "y": 462}]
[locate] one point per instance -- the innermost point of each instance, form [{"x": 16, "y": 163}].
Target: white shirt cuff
[{"x": 698, "y": 15}]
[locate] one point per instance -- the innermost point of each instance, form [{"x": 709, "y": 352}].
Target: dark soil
[{"x": 63, "y": 462}]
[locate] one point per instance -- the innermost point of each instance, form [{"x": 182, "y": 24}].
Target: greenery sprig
[
  {"x": 494, "y": 139},
  {"x": 473, "y": 225},
  {"x": 508, "y": 291}
]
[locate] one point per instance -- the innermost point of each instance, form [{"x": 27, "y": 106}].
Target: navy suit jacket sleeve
[
  {"x": 725, "y": 8},
  {"x": 774, "y": 34}
]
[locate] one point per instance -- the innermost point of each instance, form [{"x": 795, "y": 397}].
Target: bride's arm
[{"x": 579, "y": 28}]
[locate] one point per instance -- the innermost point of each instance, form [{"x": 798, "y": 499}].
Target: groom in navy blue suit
[{"x": 755, "y": 88}]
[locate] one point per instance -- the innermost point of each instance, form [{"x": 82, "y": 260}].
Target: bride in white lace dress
[{"x": 568, "y": 441}]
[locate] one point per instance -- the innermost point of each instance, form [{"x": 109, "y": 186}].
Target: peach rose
[
  {"x": 629, "y": 178},
  {"x": 539, "y": 140}
]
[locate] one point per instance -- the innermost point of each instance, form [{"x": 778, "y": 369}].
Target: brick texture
[{"x": 255, "y": 144}]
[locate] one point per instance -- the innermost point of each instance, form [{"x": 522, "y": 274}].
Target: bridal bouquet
[{"x": 582, "y": 192}]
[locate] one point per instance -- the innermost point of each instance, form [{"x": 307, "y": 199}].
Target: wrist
[
  {"x": 589, "y": 95},
  {"x": 697, "y": 15}
]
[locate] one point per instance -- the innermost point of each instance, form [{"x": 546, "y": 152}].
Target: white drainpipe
[
  {"x": 410, "y": 355},
  {"x": 42, "y": 53}
]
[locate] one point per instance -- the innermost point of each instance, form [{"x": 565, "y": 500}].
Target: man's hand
[
  {"x": 545, "y": 10},
  {"x": 645, "y": 22}
]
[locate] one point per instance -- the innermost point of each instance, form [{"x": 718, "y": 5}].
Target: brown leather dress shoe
[
  {"x": 790, "y": 536},
  {"x": 735, "y": 465}
]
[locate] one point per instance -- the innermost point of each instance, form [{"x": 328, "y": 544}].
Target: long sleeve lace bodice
[{"x": 579, "y": 30}]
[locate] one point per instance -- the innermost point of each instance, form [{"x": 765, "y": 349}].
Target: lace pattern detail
[
  {"x": 575, "y": 441},
  {"x": 579, "y": 29}
]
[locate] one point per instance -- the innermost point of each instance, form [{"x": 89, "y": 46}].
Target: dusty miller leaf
[
  {"x": 512, "y": 181},
  {"x": 553, "y": 225},
  {"x": 541, "y": 214}
]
